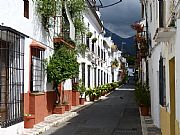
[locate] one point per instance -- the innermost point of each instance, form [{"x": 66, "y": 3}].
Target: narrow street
[{"x": 116, "y": 115}]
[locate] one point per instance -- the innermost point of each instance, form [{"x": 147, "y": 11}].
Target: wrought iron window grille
[{"x": 11, "y": 77}]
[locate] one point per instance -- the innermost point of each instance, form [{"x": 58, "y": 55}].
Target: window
[
  {"x": 161, "y": 13},
  {"x": 98, "y": 51},
  {"x": 156, "y": 9},
  {"x": 98, "y": 77},
  {"x": 151, "y": 12},
  {"x": 11, "y": 76},
  {"x": 37, "y": 70},
  {"x": 162, "y": 83},
  {"x": 102, "y": 54},
  {"x": 26, "y": 9},
  {"x": 104, "y": 77},
  {"x": 87, "y": 42},
  {"x": 89, "y": 70},
  {"x": 83, "y": 72},
  {"x": 93, "y": 46},
  {"x": 95, "y": 77},
  {"x": 107, "y": 78},
  {"x": 101, "y": 77},
  {"x": 142, "y": 10}
]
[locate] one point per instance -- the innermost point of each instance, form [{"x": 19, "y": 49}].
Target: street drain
[{"x": 119, "y": 131}]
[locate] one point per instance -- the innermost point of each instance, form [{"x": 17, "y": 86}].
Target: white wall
[
  {"x": 177, "y": 67},
  {"x": 154, "y": 84},
  {"x": 12, "y": 15}
]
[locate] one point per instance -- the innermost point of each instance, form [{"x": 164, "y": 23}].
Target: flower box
[{"x": 59, "y": 109}]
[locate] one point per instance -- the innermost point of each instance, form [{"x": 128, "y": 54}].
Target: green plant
[
  {"x": 91, "y": 93},
  {"x": 94, "y": 40},
  {"x": 27, "y": 114},
  {"x": 50, "y": 8},
  {"x": 81, "y": 88},
  {"x": 65, "y": 103},
  {"x": 62, "y": 65},
  {"x": 104, "y": 42},
  {"x": 77, "y": 7},
  {"x": 46, "y": 9},
  {"x": 142, "y": 94},
  {"x": 81, "y": 48},
  {"x": 89, "y": 34},
  {"x": 115, "y": 63}
]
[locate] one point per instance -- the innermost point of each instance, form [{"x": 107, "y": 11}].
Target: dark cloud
[{"x": 118, "y": 18}]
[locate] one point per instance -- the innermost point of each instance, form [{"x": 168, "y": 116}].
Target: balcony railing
[{"x": 61, "y": 27}]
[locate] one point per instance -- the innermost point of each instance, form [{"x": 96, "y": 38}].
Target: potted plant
[
  {"x": 89, "y": 34},
  {"x": 29, "y": 120},
  {"x": 91, "y": 93},
  {"x": 115, "y": 63},
  {"x": 81, "y": 88},
  {"x": 67, "y": 105},
  {"x": 94, "y": 40},
  {"x": 62, "y": 65},
  {"x": 142, "y": 94}
]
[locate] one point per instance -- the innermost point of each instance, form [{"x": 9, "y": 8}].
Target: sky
[{"x": 119, "y": 18}]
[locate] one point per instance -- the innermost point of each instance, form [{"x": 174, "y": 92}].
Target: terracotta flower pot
[
  {"x": 81, "y": 101},
  {"x": 144, "y": 110},
  {"x": 92, "y": 98},
  {"x": 59, "y": 109},
  {"x": 29, "y": 121},
  {"x": 67, "y": 107}
]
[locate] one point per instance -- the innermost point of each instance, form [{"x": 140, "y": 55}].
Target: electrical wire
[{"x": 101, "y": 6}]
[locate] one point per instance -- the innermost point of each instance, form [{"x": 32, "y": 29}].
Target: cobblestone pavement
[{"x": 117, "y": 114}]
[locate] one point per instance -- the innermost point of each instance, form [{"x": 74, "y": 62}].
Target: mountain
[{"x": 126, "y": 45}]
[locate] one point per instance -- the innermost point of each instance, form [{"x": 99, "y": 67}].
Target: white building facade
[
  {"x": 163, "y": 61},
  {"x": 24, "y": 44}
]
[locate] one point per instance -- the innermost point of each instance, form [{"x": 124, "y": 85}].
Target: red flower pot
[
  {"x": 67, "y": 107},
  {"x": 59, "y": 109},
  {"x": 29, "y": 121},
  {"x": 144, "y": 110},
  {"x": 81, "y": 101}
]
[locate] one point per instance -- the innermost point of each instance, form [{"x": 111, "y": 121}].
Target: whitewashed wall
[
  {"x": 154, "y": 84},
  {"x": 177, "y": 67},
  {"x": 12, "y": 15}
]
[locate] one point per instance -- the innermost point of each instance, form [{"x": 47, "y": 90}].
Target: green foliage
[
  {"x": 77, "y": 7},
  {"x": 81, "y": 88},
  {"x": 142, "y": 94},
  {"x": 115, "y": 63},
  {"x": 130, "y": 59},
  {"x": 81, "y": 48},
  {"x": 94, "y": 40},
  {"x": 63, "y": 65},
  {"x": 91, "y": 93},
  {"x": 104, "y": 42},
  {"x": 46, "y": 9},
  {"x": 89, "y": 34}
]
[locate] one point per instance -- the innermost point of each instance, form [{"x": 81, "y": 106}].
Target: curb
[
  {"x": 45, "y": 125},
  {"x": 57, "y": 119}
]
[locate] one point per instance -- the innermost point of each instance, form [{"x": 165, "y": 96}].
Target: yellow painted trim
[
  {"x": 172, "y": 95},
  {"x": 177, "y": 129},
  {"x": 164, "y": 121}
]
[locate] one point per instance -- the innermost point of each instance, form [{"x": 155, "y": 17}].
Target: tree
[{"x": 63, "y": 65}]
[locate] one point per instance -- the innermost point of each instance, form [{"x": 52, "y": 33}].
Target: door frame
[{"x": 172, "y": 95}]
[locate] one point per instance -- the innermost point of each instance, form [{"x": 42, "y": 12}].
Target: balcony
[
  {"x": 164, "y": 34},
  {"x": 62, "y": 31}
]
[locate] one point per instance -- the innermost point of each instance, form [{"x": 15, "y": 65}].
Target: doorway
[{"x": 172, "y": 95}]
